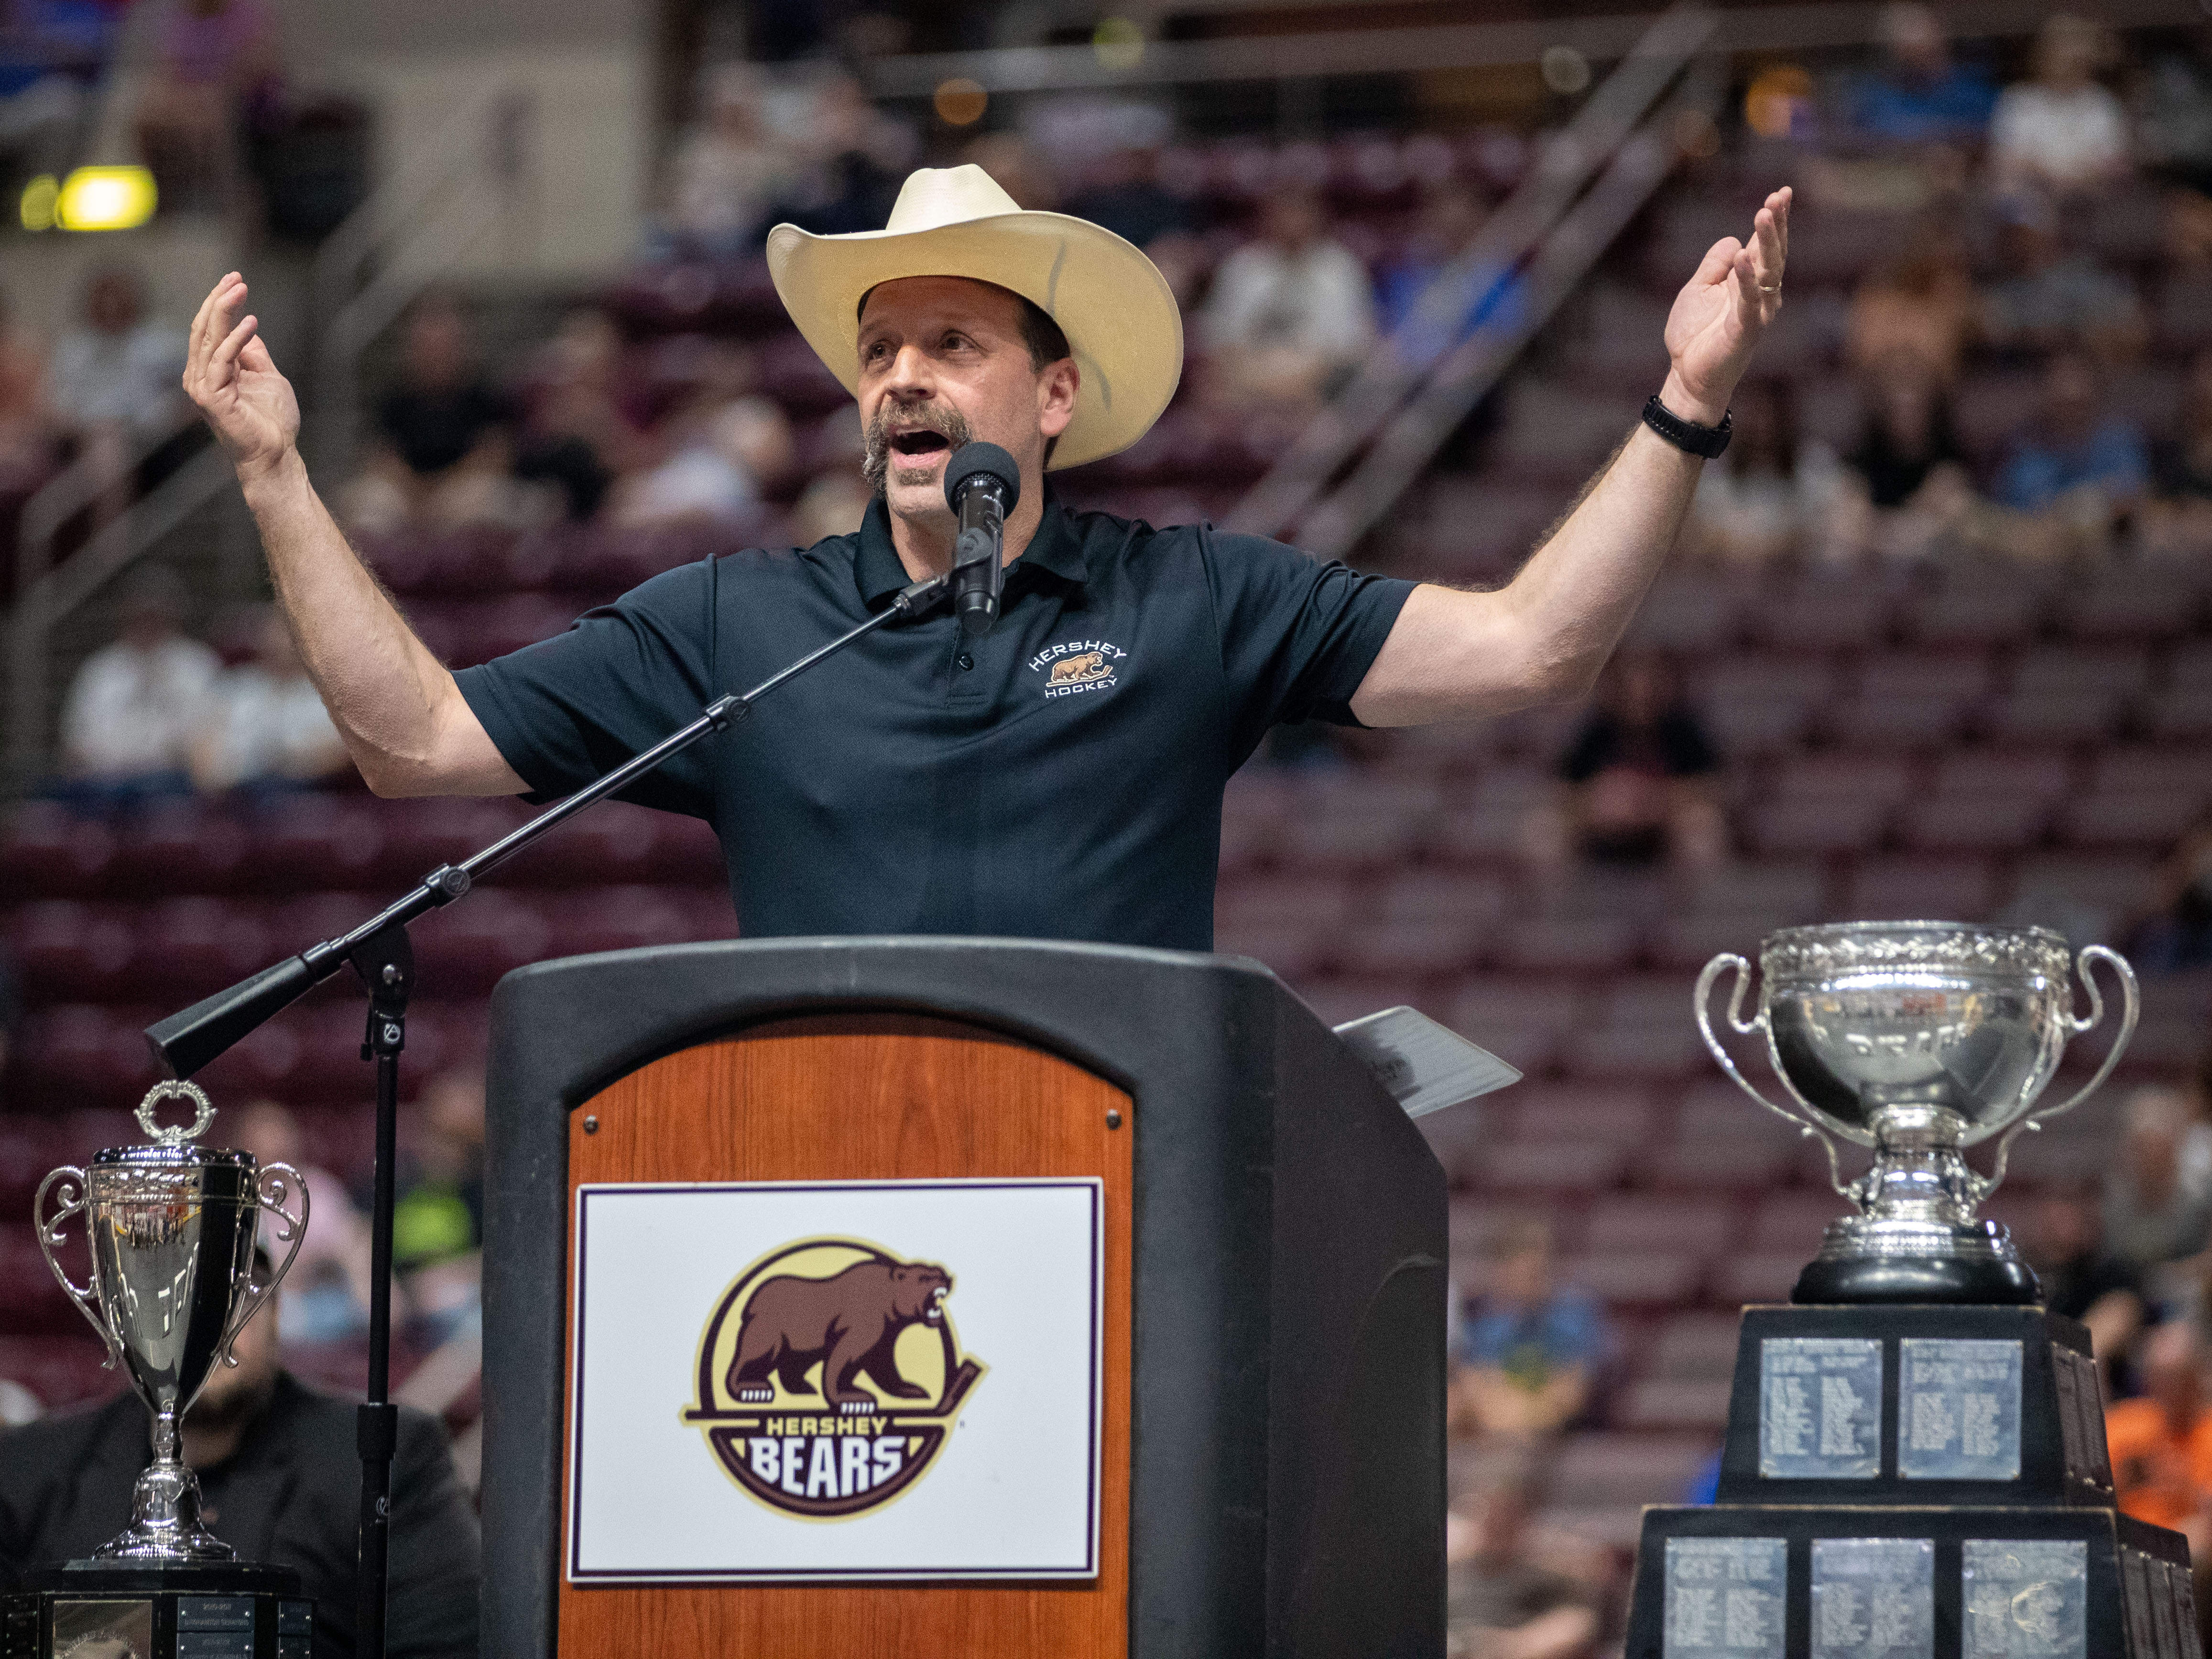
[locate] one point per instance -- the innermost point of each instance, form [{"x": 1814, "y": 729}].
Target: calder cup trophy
[
  {"x": 1915, "y": 1039},
  {"x": 1916, "y": 1452},
  {"x": 172, "y": 1228}
]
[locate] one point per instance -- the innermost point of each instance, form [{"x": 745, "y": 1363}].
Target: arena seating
[{"x": 1974, "y": 741}]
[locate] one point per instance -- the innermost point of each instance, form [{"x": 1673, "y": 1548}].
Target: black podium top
[{"x": 1290, "y": 1262}]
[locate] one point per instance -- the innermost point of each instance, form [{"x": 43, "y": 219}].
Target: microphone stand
[{"x": 382, "y": 958}]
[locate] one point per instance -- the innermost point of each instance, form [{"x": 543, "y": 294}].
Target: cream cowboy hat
[{"x": 1109, "y": 299}]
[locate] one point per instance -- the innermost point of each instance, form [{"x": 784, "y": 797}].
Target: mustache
[{"x": 876, "y": 454}]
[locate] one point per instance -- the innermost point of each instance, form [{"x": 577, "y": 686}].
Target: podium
[{"x": 857, "y": 1296}]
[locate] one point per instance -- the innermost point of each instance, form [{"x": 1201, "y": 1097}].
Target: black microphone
[{"x": 981, "y": 484}]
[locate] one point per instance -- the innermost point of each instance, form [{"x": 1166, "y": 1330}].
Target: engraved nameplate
[
  {"x": 1874, "y": 1598},
  {"x": 2025, "y": 1598},
  {"x": 1725, "y": 1598},
  {"x": 1958, "y": 1409},
  {"x": 1820, "y": 1408}
]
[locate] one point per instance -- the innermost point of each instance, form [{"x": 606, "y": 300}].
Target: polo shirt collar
[{"x": 1056, "y": 547}]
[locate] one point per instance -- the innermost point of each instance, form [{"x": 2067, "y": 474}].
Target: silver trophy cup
[
  {"x": 172, "y": 1228},
  {"x": 1915, "y": 1039}
]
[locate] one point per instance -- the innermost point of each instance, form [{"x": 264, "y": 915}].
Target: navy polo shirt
[{"x": 1060, "y": 778}]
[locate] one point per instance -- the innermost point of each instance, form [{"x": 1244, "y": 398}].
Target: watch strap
[{"x": 1706, "y": 441}]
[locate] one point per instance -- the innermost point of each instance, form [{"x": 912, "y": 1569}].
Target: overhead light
[
  {"x": 106, "y": 198},
  {"x": 960, "y": 102}
]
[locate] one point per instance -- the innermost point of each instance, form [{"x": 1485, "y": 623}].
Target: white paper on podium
[{"x": 1424, "y": 1066}]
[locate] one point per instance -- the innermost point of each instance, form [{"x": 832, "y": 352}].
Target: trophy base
[
  {"x": 1879, "y": 1260},
  {"x": 238, "y": 1610}
]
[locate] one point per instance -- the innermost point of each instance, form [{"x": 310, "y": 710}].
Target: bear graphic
[
  {"x": 850, "y": 1321},
  {"x": 1080, "y": 671}
]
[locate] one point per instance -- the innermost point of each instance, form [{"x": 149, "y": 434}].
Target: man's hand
[
  {"x": 1720, "y": 314},
  {"x": 229, "y": 374}
]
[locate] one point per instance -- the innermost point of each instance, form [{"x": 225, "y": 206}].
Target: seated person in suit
[{"x": 279, "y": 1482}]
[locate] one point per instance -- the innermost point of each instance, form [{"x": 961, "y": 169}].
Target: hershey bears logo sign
[{"x": 828, "y": 1376}]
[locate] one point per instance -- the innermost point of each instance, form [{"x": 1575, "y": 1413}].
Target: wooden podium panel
[{"x": 862, "y": 1097}]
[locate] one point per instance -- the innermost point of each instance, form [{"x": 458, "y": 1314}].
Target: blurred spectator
[
  {"x": 2077, "y": 457},
  {"x": 115, "y": 381},
  {"x": 1920, "y": 306},
  {"x": 1291, "y": 313},
  {"x": 1756, "y": 501},
  {"x": 27, "y": 424},
  {"x": 1422, "y": 328},
  {"x": 579, "y": 429},
  {"x": 128, "y": 721},
  {"x": 1530, "y": 1350},
  {"x": 726, "y": 171},
  {"x": 51, "y": 53},
  {"x": 1920, "y": 95},
  {"x": 1903, "y": 483},
  {"x": 834, "y": 503},
  {"x": 2176, "y": 937},
  {"x": 722, "y": 455},
  {"x": 2051, "y": 299},
  {"x": 2153, "y": 1217},
  {"x": 443, "y": 447},
  {"x": 1636, "y": 778},
  {"x": 262, "y": 727},
  {"x": 1019, "y": 169},
  {"x": 848, "y": 155},
  {"x": 279, "y": 1476},
  {"x": 2161, "y": 1443},
  {"x": 1123, "y": 190},
  {"x": 217, "y": 64},
  {"x": 2063, "y": 1241},
  {"x": 326, "y": 1292},
  {"x": 1502, "y": 1600},
  {"x": 2174, "y": 110},
  {"x": 437, "y": 1227},
  {"x": 2178, "y": 517},
  {"x": 2061, "y": 132}
]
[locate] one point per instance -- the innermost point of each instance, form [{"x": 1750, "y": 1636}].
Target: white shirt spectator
[
  {"x": 259, "y": 725},
  {"x": 1317, "y": 299},
  {"x": 2061, "y": 138},
  {"x": 132, "y": 709},
  {"x": 128, "y": 380}
]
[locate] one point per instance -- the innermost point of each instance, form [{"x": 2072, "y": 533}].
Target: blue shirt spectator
[
  {"x": 1921, "y": 96},
  {"x": 1487, "y": 295},
  {"x": 1533, "y": 1345},
  {"x": 2074, "y": 444},
  {"x": 1529, "y": 1350}
]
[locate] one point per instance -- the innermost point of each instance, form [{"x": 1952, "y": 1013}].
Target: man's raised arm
[
  {"x": 1543, "y": 636},
  {"x": 403, "y": 719}
]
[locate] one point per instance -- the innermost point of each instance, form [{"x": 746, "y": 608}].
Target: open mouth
[
  {"x": 935, "y": 1310},
  {"x": 921, "y": 444}
]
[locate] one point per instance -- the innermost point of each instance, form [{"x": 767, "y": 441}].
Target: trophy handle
[
  {"x": 276, "y": 1182},
  {"x": 2131, "y": 1007},
  {"x": 1726, "y": 962},
  {"x": 50, "y": 1234}
]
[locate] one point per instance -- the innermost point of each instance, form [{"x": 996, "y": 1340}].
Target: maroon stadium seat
[
  {"x": 66, "y": 950},
  {"x": 180, "y": 847},
  {"x": 46, "y": 851},
  {"x": 1914, "y": 888}
]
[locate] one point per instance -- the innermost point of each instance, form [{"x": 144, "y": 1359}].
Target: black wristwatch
[{"x": 1706, "y": 441}]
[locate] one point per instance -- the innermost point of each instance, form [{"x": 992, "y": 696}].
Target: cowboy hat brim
[{"x": 1122, "y": 324}]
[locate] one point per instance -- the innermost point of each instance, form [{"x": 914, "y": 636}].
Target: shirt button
[{"x": 965, "y": 660}]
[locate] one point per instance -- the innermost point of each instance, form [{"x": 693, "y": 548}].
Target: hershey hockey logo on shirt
[{"x": 1075, "y": 666}]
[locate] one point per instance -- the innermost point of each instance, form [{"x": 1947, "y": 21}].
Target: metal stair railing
[
  {"x": 1412, "y": 438},
  {"x": 1274, "y": 507}
]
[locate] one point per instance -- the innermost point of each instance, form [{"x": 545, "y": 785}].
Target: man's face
[
  {"x": 236, "y": 1394},
  {"x": 942, "y": 362}
]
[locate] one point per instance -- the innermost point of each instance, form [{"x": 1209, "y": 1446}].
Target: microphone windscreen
[{"x": 975, "y": 460}]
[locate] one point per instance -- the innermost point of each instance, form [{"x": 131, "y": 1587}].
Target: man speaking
[{"x": 1060, "y": 775}]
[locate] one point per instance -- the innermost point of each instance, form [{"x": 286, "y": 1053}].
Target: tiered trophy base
[
  {"x": 220, "y": 1610},
  {"x": 1912, "y": 1482}
]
